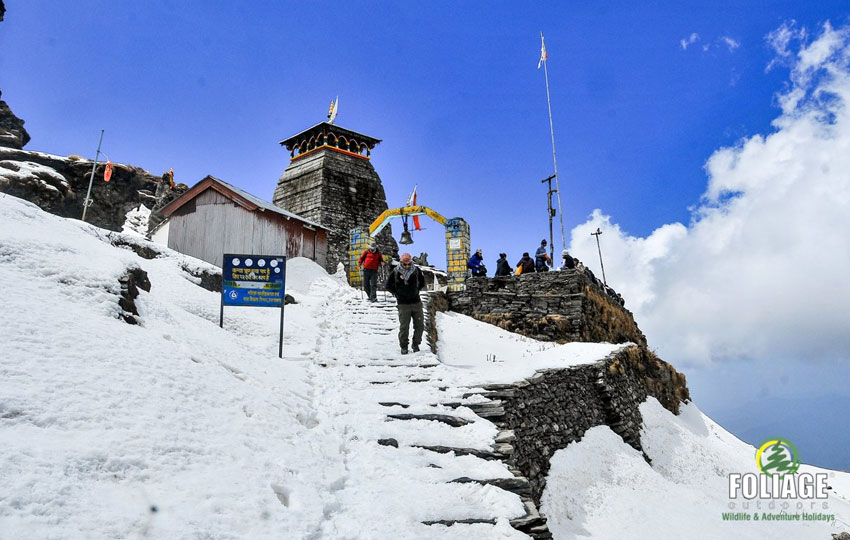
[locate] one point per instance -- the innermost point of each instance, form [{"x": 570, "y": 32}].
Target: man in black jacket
[
  {"x": 503, "y": 267},
  {"x": 405, "y": 282}
]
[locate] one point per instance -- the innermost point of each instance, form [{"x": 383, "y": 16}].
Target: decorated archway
[{"x": 457, "y": 243}]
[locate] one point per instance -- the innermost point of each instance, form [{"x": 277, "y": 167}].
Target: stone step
[
  {"x": 483, "y": 454},
  {"x": 518, "y": 485},
  {"x": 453, "y": 421},
  {"x": 450, "y": 522},
  {"x": 532, "y": 516},
  {"x": 393, "y": 404}
]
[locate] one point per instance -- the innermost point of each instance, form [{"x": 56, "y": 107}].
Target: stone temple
[{"x": 330, "y": 180}]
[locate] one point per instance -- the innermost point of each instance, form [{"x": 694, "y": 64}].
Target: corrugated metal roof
[
  {"x": 267, "y": 205},
  {"x": 232, "y": 192}
]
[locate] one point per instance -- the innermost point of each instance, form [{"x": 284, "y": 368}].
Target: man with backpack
[{"x": 370, "y": 261}]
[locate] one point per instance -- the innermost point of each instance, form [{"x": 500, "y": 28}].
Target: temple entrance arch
[{"x": 457, "y": 243}]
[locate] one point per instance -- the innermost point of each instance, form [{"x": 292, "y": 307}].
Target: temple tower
[{"x": 330, "y": 180}]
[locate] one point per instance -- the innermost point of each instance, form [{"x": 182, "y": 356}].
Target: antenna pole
[{"x": 551, "y": 210}]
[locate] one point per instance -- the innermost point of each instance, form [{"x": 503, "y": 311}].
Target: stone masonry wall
[
  {"x": 544, "y": 413},
  {"x": 561, "y": 306},
  {"x": 338, "y": 191}
]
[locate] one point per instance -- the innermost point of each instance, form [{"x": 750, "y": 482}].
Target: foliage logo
[
  {"x": 778, "y": 463},
  {"x": 778, "y": 487},
  {"x": 777, "y": 456}
]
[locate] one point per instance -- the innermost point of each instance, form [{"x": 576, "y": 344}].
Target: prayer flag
[{"x": 543, "y": 54}]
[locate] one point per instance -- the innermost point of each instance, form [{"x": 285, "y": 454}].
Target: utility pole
[
  {"x": 551, "y": 212},
  {"x": 87, "y": 202},
  {"x": 596, "y": 234}
]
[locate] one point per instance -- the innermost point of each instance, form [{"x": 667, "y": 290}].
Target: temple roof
[{"x": 327, "y": 127}]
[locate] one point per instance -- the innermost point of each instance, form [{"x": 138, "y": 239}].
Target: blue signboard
[{"x": 253, "y": 280}]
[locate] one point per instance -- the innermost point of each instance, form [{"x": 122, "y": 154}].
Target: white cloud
[
  {"x": 730, "y": 43},
  {"x": 762, "y": 270},
  {"x": 688, "y": 41},
  {"x": 780, "y": 41}
]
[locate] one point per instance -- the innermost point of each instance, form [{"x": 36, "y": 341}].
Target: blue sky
[{"x": 643, "y": 95}]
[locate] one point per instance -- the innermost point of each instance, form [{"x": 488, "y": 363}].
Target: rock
[
  {"x": 134, "y": 279},
  {"x": 388, "y": 442},
  {"x": 59, "y": 184},
  {"x": 12, "y": 132},
  {"x": 450, "y": 522},
  {"x": 210, "y": 279},
  {"x": 453, "y": 421}
]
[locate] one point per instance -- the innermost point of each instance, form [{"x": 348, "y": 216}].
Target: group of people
[
  {"x": 404, "y": 282},
  {"x": 541, "y": 262}
]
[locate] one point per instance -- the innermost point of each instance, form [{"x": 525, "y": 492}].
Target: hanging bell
[{"x": 405, "y": 236}]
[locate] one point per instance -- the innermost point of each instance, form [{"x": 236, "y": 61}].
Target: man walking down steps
[{"x": 405, "y": 282}]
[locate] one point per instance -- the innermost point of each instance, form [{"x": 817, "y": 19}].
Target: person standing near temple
[
  {"x": 525, "y": 265},
  {"x": 370, "y": 261},
  {"x": 476, "y": 264},
  {"x": 568, "y": 262},
  {"x": 503, "y": 267},
  {"x": 405, "y": 282},
  {"x": 541, "y": 258}
]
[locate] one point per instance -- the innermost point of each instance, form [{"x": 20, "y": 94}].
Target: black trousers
[
  {"x": 405, "y": 313},
  {"x": 370, "y": 283}
]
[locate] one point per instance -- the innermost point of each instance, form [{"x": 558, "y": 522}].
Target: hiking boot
[
  {"x": 416, "y": 348},
  {"x": 404, "y": 350}
]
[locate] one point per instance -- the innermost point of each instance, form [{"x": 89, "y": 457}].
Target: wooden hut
[{"x": 214, "y": 217}]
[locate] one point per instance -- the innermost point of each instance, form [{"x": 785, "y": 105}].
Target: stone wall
[
  {"x": 560, "y": 306},
  {"x": 544, "y": 413},
  {"x": 340, "y": 192}
]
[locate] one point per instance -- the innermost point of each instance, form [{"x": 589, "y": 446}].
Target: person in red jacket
[{"x": 370, "y": 261}]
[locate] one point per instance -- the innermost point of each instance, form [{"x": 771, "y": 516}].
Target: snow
[
  {"x": 101, "y": 422},
  {"x": 11, "y": 171},
  {"x": 177, "y": 428},
  {"x": 136, "y": 221},
  {"x": 7, "y": 150},
  {"x": 468, "y": 343},
  {"x": 601, "y": 487}
]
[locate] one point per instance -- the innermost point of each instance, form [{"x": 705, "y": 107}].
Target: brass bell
[{"x": 405, "y": 236}]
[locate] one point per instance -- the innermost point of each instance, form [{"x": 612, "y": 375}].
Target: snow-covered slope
[
  {"x": 603, "y": 488},
  {"x": 176, "y": 428}
]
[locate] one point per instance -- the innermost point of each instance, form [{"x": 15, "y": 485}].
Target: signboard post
[{"x": 253, "y": 280}]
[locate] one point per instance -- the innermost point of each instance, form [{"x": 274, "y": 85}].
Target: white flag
[
  {"x": 334, "y": 110},
  {"x": 543, "y": 55},
  {"x": 411, "y": 200}
]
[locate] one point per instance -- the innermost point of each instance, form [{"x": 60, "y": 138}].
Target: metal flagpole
[
  {"x": 545, "y": 57},
  {"x": 87, "y": 201}
]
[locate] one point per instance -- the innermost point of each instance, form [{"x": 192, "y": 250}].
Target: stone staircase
[{"x": 412, "y": 388}]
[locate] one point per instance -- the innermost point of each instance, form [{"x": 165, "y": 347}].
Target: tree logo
[{"x": 777, "y": 456}]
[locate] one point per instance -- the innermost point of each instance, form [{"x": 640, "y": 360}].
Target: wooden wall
[{"x": 212, "y": 224}]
